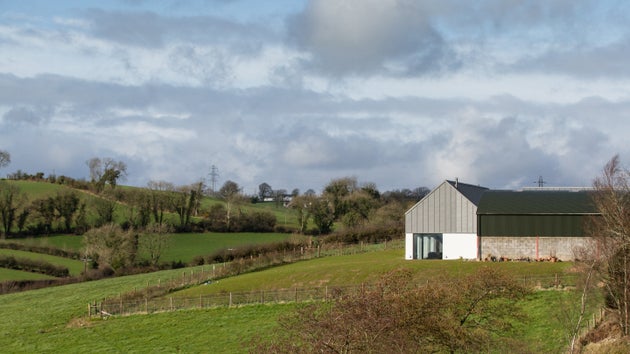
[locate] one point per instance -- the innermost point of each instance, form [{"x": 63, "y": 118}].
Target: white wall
[
  {"x": 409, "y": 246},
  {"x": 457, "y": 246}
]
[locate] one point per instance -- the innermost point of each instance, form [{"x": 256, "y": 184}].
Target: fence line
[{"x": 145, "y": 304}]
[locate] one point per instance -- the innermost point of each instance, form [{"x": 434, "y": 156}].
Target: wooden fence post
[{"x": 230, "y": 303}]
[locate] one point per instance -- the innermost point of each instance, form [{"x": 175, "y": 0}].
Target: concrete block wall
[{"x": 563, "y": 248}]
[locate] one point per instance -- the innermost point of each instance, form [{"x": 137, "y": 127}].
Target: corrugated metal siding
[
  {"x": 444, "y": 210},
  {"x": 531, "y": 225}
]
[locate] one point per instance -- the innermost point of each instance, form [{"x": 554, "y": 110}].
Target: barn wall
[
  {"x": 408, "y": 246},
  {"x": 444, "y": 210},
  {"x": 562, "y": 247},
  {"x": 457, "y": 246}
]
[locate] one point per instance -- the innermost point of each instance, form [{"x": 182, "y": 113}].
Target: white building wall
[
  {"x": 408, "y": 246},
  {"x": 455, "y": 246}
]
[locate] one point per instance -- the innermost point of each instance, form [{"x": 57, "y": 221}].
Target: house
[
  {"x": 443, "y": 225},
  {"x": 533, "y": 224}
]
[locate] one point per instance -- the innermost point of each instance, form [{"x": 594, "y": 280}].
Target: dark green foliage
[
  {"x": 104, "y": 209},
  {"x": 11, "y": 200}
]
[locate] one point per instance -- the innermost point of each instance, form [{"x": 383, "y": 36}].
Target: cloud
[{"x": 366, "y": 37}]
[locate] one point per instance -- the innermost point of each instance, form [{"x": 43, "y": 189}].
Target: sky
[{"x": 296, "y": 93}]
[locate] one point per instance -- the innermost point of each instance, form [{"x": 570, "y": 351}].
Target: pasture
[
  {"x": 181, "y": 247},
  {"x": 74, "y": 266},
  {"x": 53, "y": 319}
]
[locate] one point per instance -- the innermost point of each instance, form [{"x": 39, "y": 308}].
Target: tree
[
  {"x": 611, "y": 232},
  {"x": 264, "y": 191},
  {"x": 110, "y": 245},
  {"x": 66, "y": 204},
  {"x": 336, "y": 191},
  {"x": 359, "y": 205},
  {"x": 230, "y": 192},
  {"x": 45, "y": 209},
  {"x": 5, "y": 158},
  {"x": 303, "y": 205},
  {"x": 153, "y": 241},
  {"x": 186, "y": 202},
  {"x": 159, "y": 199},
  {"x": 104, "y": 209},
  {"x": 467, "y": 314},
  {"x": 11, "y": 199},
  {"x": 278, "y": 197},
  {"x": 323, "y": 214},
  {"x": 106, "y": 171}
]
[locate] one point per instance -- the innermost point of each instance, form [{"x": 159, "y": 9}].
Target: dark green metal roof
[
  {"x": 471, "y": 192},
  {"x": 536, "y": 203}
]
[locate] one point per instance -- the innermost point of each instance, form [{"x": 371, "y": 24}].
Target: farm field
[
  {"x": 364, "y": 268},
  {"x": 12, "y": 274},
  {"x": 53, "y": 319},
  {"x": 182, "y": 247},
  {"x": 74, "y": 266}
]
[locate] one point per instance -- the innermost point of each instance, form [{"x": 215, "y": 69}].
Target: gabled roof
[
  {"x": 536, "y": 202},
  {"x": 471, "y": 192}
]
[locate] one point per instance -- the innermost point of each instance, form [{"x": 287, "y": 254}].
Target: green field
[
  {"x": 184, "y": 246},
  {"x": 52, "y": 319},
  {"x": 11, "y": 274},
  {"x": 364, "y": 268},
  {"x": 74, "y": 266}
]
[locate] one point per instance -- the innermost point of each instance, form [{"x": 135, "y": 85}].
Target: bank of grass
[
  {"x": 182, "y": 247},
  {"x": 365, "y": 268},
  {"x": 12, "y": 274},
  {"x": 75, "y": 267},
  {"x": 53, "y": 319}
]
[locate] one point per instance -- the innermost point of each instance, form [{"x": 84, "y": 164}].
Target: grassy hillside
[
  {"x": 37, "y": 190},
  {"x": 364, "y": 268},
  {"x": 11, "y": 274},
  {"x": 184, "y": 246},
  {"x": 51, "y": 319}
]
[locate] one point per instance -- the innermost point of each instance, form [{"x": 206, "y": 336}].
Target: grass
[
  {"x": 74, "y": 266},
  {"x": 182, "y": 247},
  {"x": 362, "y": 268},
  {"x": 185, "y": 247},
  {"x": 64, "y": 242},
  {"x": 52, "y": 319},
  {"x": 11, "y": 274}
]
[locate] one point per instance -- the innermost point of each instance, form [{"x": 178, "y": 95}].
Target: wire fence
[{"x": 142, "y": 301}]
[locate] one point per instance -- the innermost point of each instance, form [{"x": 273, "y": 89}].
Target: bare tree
[
  {"x": 611, "y": 232},
  {"x": 153, "y": 241},
  {"x": 106, "y": 171},
  {"x": 230, "y": 192}
]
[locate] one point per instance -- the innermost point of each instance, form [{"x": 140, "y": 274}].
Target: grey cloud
[
  {"x": 369, "y": 37},
  {"x": 27, "y": 115},
  {"x": 148, "y": 29},
  {"x": 591, "y": 62},
  {"x": 298, "y": 138}
]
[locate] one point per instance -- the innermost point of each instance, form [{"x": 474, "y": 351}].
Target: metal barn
[{"x": 533, "y": 224}]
